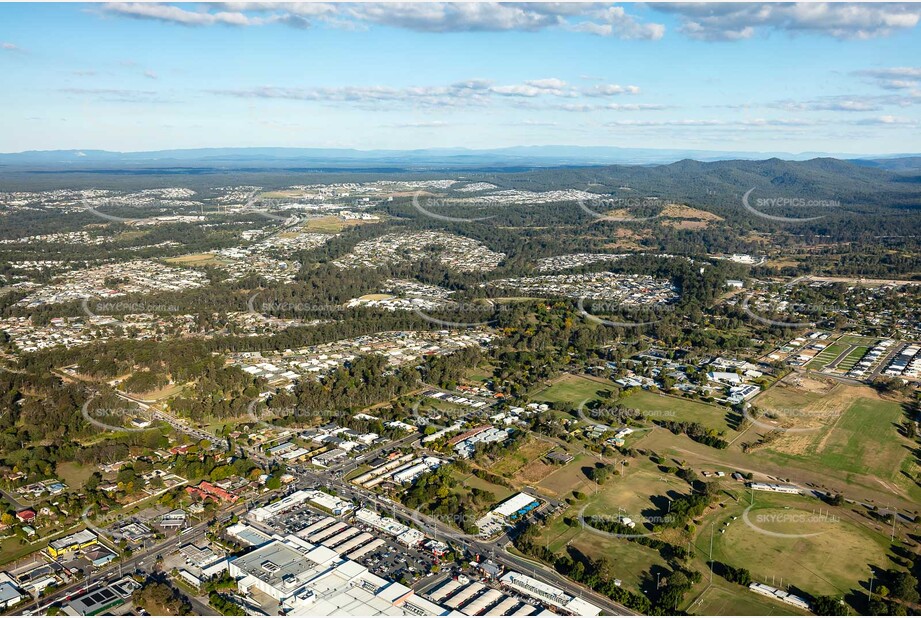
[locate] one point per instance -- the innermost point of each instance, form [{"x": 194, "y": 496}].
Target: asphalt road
[{"x": 497, "y": 552}]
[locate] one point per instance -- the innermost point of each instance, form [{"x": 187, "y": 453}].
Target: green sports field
[
  {"x": 771, "y": 541},
  {"x": 725, "y": 599}
]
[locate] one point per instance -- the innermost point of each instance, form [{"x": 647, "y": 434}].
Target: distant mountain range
[{"x": 423, "y": 159}]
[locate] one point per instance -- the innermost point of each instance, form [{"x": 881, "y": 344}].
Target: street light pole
[{"x": 711, "y": 553}]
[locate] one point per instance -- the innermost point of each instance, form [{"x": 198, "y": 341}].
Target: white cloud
[
  {"x": 850, "y": 103},
  {"x": 551, "y": 83},
  {"x": 606, "y": 90},
  {"x": 454, "y": 16},
  {"x": 474, "y": 91},
  {"x": 10, "y": 47},
  {"x": 894, "y": 78},
  {"x": 832, "y": 103},
  {"x": 174, "y": 14},
  {"x": 150, "y": 74},
  {"x": 616, "y": 107},
  {"x": 614, "y": 21},
  {"x": 756, "y": 122},
  {"x": 887, "y": 120},
  {"x": 736, "y": 21},
  {"x": 423, "y": 124},
  {"x": 117, "y": 95},
  {"x": 594, "y": 18}
]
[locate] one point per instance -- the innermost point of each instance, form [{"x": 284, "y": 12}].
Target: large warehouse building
[{"x": 307, "y": 579}]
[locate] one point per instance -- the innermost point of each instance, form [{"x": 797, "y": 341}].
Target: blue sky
[{"x": 771, "y": 77}]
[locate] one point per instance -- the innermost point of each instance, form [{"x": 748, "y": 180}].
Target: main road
[{"x": 496, "y": 551}]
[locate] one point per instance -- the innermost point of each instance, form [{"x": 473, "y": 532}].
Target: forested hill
[
  {"x": 867, "y": 186},
  {"x": 723, "y": 182},
  {"x": 896, "y": 164}
]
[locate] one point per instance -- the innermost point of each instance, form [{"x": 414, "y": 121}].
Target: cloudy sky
[{"x": 839, "y": 78}]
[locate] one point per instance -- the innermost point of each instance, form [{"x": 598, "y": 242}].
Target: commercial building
[
  {"x": 248, "y": 535},
  {"x": 101, "y": 600},
  {"x": 516, "y": 506},
  {"x": 388, "y": 525},
  {"x": 206, "y": 490},
  {"x": 548, "y": 594},
  {"x": 335, "y": 505},
  {"x": 72, "y": 542},
  {"x": 305, "y": 579},
  {"x": 173, "y": 519},
  {"x": 9, "y": 595}
]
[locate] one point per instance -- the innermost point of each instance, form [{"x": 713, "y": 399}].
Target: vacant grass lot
[
  {"x": 668, "y": 408},
  {"x": 511, "y": 463},
  {"x": 331, "y": 224},
  {"x": 630, "y": 560},
  {"x": 851, "y": 359},
  {"x": 470, "y": 481},
  {"x": 864, "y": 440},
  {"x": 827, "y": 355},
  {"x": 561, "y": 480},
  {"x": 73, "y": 473},
  {"x": 573, "y": 389},
  {"x": 193, "y": 259}
]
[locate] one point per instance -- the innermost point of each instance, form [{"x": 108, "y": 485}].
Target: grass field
[
  {"x": 864, "y": 440},
  {"x": 479, "y": 374},
  {"x": 635, "y": 493},
  {"x": 73, "y": 474},
  {"x": 806, "y": 404},
  {"x": 376, "y": 296},
  {"x": 725, "y": 599},
  {"x": 848, "y": 362},
  {"x": 558, "y": 481},
  {"x": 512, "y": 463},
  {"x": 470, "y": 481},
  {"x": 812, "y": 564},
  {"x": 573, "y": 389},
  {"x": 630, "y": 560},
  {"x": 282, "y": 193},
  {"x": 665, "y": 407},
  {"x": 193, "y": 259},
  {"x": 160, "y": 394},
  {"x": 826, "y": 356},
  {"x": 858, "y": 340},
  {"x": 331, "y": 224}
]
